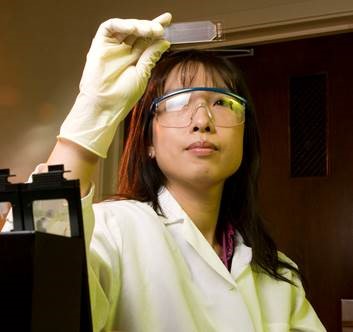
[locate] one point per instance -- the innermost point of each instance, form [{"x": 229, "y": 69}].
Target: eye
[
  {"x": 224, "y": 102},
  {"x": 219, "y": 102}
]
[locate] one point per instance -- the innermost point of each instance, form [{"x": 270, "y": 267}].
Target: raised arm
[{"x": 115, "y": 76}]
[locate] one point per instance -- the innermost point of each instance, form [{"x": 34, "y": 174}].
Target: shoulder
[
  {"x": 118, "y": 208},
  {"x": 270, "y": 288},
  {"x": 125, "y": 213},
  {"x": 285, "y": 303},
  {"x": 287, "y": 270},
  {"x": 131, "y": 226}
]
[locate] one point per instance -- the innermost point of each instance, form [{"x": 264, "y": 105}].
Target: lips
[{"x": 202, "y": 145}]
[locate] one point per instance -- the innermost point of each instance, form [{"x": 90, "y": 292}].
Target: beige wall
[{"x": 43, "y": 46}]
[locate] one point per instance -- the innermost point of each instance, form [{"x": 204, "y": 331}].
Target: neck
[{"x": 202, "y": 206}]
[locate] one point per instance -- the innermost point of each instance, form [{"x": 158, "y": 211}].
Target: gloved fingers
[
  {"x": 148, "y": 29},
  {"x": 150, "y": 56},
  {"x": 139, "y": 46},
  {"x": 115, "y": 28},
  {"x": 130, "y": 40},
  {"x": 163, "y": 19},
  {"x": 129, "y": 29}
]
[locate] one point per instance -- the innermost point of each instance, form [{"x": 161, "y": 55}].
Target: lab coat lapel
[
  {"x": 195, "y": 238},
  {"x": 175, "y": 214}
]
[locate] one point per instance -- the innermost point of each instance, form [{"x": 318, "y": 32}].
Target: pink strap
[{"x": 228, "y": 244}]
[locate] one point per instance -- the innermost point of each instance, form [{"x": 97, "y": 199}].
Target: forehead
[{"x": 191, "y": 75}]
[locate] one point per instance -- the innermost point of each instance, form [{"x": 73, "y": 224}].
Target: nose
[{"x": 202, "y": 119}]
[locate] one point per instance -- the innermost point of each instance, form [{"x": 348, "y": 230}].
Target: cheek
[
  {"x": 234, "y": 148},
  {"x": 166, "y": 145}
]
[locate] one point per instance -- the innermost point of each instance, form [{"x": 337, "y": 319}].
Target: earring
[{"x": 151, "y": 154}]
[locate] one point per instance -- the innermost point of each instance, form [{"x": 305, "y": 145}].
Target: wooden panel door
[{"x": 311, "y": 218}]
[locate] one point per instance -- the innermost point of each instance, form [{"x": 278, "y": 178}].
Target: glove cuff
[{"x": 91, "y": 126}]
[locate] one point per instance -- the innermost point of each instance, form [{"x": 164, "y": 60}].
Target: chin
[{"x": 206, "y": 180}]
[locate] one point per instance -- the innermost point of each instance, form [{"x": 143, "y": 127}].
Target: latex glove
[{"x": 115, "y": 76}]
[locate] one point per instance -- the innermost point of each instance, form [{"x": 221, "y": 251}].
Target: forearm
[{"x": 80, "y": 162}]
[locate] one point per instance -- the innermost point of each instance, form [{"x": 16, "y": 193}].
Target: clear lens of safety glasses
[{"x": 177, "y": 108}]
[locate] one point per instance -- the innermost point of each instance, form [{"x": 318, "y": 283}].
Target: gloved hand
[{"x": 115, "y": 76}]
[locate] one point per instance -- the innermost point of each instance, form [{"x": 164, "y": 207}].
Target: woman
[{"x": 183, "y": 248}]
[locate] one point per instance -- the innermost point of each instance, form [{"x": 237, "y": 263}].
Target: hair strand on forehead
[{"x": 188, "y": 71}]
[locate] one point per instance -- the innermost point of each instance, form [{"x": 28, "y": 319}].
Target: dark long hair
[{"x": 141, "y": 179}]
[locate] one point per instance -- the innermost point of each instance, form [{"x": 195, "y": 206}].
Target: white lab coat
[{"x": 149, "y": 273}]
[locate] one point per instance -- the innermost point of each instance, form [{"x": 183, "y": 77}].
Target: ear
[{"x": 151, "y": 152}]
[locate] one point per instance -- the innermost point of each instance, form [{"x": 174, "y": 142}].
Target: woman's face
[{"x": 199, "y": 155}]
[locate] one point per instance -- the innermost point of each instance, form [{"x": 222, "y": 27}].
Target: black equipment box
[{"x": 43, "y": 277}]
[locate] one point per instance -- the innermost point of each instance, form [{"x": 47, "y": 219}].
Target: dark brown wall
[{"x": 311, "y": 218}]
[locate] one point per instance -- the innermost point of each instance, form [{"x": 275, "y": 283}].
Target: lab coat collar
[
  {"x": 170, "y": 208},
  {"x": 241, "y": 258},
  {"x": 176, "y": 215}
]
